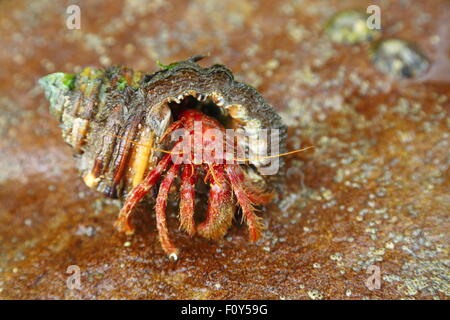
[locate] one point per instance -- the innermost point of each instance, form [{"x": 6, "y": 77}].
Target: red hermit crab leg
[
  {"x": 122, "y": 223},
  {"x": 237, "y": 182},
  {"x": 221, "y": 206},
  {"x": 160, "y": 209},
  {"x": 187, "y": 200}
]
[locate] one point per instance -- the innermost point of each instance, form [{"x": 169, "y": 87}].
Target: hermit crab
[{"x": 184, "y": 129}]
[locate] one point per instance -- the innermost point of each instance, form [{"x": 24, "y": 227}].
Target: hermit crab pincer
[{"x": 224, "y": 138}]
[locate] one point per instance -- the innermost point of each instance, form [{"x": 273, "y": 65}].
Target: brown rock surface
[{"x": 375, "y": 190}]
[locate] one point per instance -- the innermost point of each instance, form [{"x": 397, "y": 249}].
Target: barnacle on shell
[{"x": 102, "y": 111}]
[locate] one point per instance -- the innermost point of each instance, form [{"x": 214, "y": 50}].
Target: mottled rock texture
[{"x": 374, "y": 191}]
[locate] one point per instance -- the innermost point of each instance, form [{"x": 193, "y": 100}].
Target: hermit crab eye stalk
[{"x": 119, "y": 123}]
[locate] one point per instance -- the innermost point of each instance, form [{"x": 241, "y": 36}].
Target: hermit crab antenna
[
  {"x": 276, "y": 155},
  {"x": 142, "y": 145},
  {"x": 211, "y": 170}
]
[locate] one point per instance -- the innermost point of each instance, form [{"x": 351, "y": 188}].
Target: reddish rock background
[{"x": 375, "y": 190}]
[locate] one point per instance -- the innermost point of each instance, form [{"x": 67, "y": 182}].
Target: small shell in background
[{"x": 399, "y": 58}]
